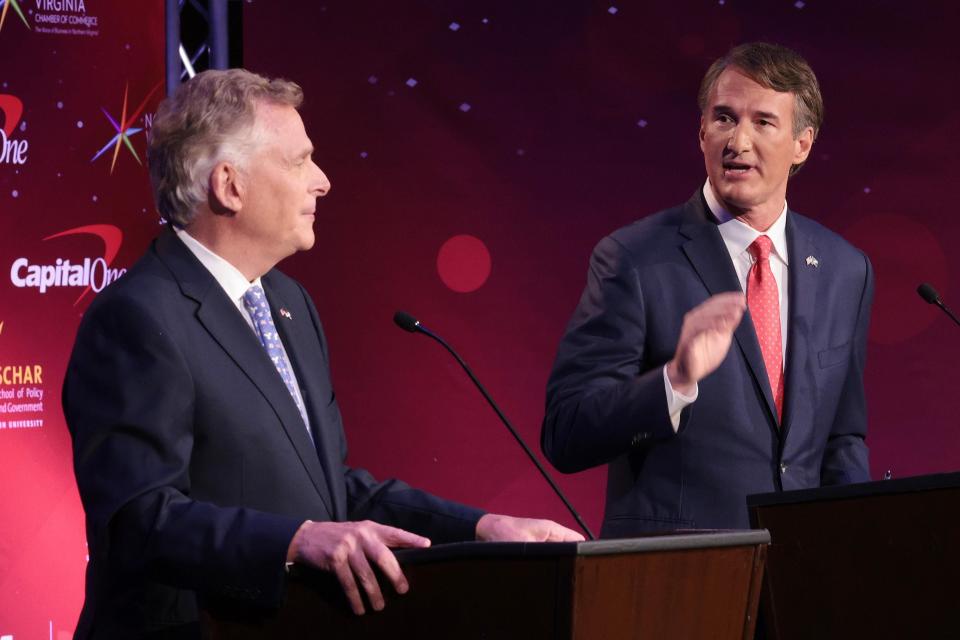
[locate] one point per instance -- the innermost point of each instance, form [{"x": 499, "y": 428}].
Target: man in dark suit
[
  {"x": 208, "y": 445},
  {"x": 646, "y": 379}
]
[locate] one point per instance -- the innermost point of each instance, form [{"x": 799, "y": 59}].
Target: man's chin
[{"x": 735, "y": 197}]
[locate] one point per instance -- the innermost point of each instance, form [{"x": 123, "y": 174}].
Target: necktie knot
[
  {"x": 253, "y": 297},
  {"x": 255, "y": 300},
  {"x": 760, "y": 248}
]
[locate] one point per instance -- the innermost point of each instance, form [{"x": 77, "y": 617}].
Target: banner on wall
[{"x": 79, "y": 83}]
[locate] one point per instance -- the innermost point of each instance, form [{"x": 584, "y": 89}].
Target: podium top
[
  {"x": 674, "y": 542},
  {"x": 863, "y": 489}
]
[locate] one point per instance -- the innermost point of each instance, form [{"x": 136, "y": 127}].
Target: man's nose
[
  {"x": 740, "y": 140},
  {"x": 321, "y": 184}
]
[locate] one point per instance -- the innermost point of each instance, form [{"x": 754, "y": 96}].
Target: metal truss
[{"x": 197, "y": 38}]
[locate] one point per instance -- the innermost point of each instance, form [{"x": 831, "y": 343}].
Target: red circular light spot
[{"x": 463, "y": 263}]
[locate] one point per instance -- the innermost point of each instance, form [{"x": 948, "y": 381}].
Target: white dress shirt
[
  {"x": 235, "y": 284},
  {"x": 738, "y": 236}
]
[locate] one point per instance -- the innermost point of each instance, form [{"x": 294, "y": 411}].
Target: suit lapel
[
  {"x": 804, "y": 285},
  {"x": 223, "y": 322},
  {"x": 296, "y": 333},
  {"x": 710, "y": 259}
]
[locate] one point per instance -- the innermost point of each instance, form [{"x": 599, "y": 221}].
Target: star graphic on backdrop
[
  {"x": 16, "y": 7},
  {"x": 124, "y": 129}
]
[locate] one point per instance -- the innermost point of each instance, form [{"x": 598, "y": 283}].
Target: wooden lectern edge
[
  {"x": 671, "y": 542},
  {"x": 930, "y": 482},
  {"x": 685, "y": 540}
]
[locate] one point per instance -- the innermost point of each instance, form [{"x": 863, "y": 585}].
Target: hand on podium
[
  {"x": 499, "y": 528},
  {"x": 346, "y": 550}
]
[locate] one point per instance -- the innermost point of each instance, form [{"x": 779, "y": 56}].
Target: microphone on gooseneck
[
  {"x": 928, "y": 293},
  {"x": 408, "y": 323}
]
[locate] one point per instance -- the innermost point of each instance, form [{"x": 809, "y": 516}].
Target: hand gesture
[{"x": 705, "y": 339}]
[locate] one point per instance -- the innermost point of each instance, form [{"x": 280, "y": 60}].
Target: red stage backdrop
[
  {"x": 79, "y": 80},
  {"x": 537, "y": 127}
]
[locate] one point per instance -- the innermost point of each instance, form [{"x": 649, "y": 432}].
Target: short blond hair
[{"x": 208, "y": 119}]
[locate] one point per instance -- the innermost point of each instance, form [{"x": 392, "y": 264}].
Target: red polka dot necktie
[{"x": 763, "y": 299}]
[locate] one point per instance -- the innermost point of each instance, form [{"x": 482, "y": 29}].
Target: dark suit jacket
[
  {"x": 606, "y": 401},
  {"x": 192, "y": 460}
]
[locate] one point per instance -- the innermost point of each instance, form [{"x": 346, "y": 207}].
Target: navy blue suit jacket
[
  {"x": 606, "y": 401},
  {"x": 193, "y": 463}
]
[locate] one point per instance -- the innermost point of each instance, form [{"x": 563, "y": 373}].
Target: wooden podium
[
  {"x": 872, "y": 560},
  {"x": 691, "y": 586}
]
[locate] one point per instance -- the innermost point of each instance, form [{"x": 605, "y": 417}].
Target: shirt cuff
[{"x": 676, "y": 401}]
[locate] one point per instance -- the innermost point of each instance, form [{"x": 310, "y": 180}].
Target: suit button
[{"x": 783, "y": 468}]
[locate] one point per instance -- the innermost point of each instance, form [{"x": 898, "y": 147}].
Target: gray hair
[{"x": 209, "y": 119}]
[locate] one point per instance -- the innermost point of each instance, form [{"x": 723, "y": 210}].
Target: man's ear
[
  {"x": 802, "y": 145},
  {"x": 226, "y": 189}
]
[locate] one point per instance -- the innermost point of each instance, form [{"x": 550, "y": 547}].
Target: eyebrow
[
  {"x": 724, "y": 109},
  {"x": 304, "y": 152}
]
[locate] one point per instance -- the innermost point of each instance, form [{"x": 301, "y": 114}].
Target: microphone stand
[{"x": 422, "y": 329}]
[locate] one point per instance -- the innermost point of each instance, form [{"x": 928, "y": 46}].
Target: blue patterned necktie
[{"x": 256, "y": 303}]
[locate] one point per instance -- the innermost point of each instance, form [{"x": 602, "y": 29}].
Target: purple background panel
[
  {"x": 68, "y": 68},
  {"x": 582, "y": 117}
]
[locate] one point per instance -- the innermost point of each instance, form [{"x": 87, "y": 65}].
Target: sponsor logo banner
[
  {"x": 21, "y": 395},
  {"x": 65, "y": 17},
  {"x": 57, "y": 17},
  {"x": 13, "y": 149},
  {"x": 91, "y": 273}
]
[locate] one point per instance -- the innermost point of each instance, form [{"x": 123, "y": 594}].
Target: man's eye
[{"x": 724, "y": 119}]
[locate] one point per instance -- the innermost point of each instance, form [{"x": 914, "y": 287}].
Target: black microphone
[
  {"x": 408, "y": 323},
  {"x": 928, "y": 293}
]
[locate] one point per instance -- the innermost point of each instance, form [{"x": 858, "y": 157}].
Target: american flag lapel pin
[
  {"x": 812, "y": 262},
  {"x": 285, "y": 314}
]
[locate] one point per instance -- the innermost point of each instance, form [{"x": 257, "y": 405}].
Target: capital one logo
[
  {"x": 12, "y": 151},
  {"x": 93, "y": 274}
]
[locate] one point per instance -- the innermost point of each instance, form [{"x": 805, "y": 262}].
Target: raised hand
[{"x": 705, "y": 339}]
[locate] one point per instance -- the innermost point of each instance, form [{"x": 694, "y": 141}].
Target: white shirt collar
[
  {"x": 738, "y": 235},
  {"x": 227, "y": 275}
]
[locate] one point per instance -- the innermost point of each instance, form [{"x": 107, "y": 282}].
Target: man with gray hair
[
  {"x": 208, "y": 444},
  {"x": 718, "y": 348}
]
